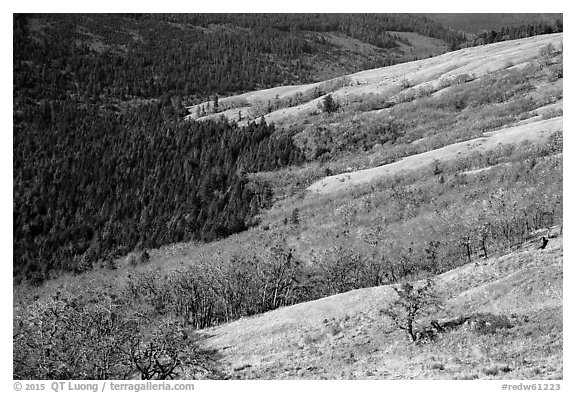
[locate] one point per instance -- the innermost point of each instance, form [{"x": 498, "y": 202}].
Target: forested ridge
[
  {"x": 197, "y": 55},
  {"x": 104, "y": 163},
  {"x": 97, "y": 185},
  {"x": 477, "y": 23},
  {"x": 517, "y": 32}
]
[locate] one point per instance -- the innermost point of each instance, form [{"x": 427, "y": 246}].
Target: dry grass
[
  {"x": 537, "y": 130},
  {"x": 475, "y": 61},
  {"x": 434, "y": 128},
  {"x": 344, "y": 336}
]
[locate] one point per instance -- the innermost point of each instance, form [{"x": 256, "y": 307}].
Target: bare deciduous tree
[{"x": 414, "y": 301}]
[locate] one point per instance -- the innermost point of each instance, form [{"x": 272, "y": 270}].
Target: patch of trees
[
  {"x": 329, "y": 105},
  {"x": 517, "y": 32},
  {"x": 261, "y": 108},
  {"x": 91, "y": 184},
  {"x": 212, "y": 291},
  {"x": 102, "y": 334}
]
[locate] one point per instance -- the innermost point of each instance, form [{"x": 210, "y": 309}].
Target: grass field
[{"x": 345, "y": 336}]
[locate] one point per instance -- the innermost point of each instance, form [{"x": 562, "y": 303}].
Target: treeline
[
  {"x": 90, "y": 185},
  {"x": 143, "y": 56},
  {"x": 517, "y": 32},
  {"x": 375, "y": 29}
]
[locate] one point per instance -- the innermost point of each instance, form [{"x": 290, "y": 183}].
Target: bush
[
  {"x": 490, "y": 371},
  {"x": 144, "y": 257},
  {"x": 437, "y": 366},
  {"x": 405, "y": 83},
  {"x": 329, "y": 105},
  {"x": 487, "y": 323}
]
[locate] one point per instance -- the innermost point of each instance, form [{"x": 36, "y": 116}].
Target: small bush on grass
[
  {"x": 491, "y": 371},
  {"x": 505, "y": 368},
  {"x": 467, "y": 377},
  {"x": 487, "y": 323},
  {"x": 437, "y": 366}
]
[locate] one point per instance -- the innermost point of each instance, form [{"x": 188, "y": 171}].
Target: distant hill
[
  {"x": 198, "y": 55},
  {"x": 472, "y": 23}
]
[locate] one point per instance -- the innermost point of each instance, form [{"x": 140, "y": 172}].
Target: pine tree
[{"x": 329, "y": 105}]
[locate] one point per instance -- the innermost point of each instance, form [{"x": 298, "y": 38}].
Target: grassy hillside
[
  {"x": 346, "y": 336},
  {"x": 294, "y": 105},
  {"x": 394, "y": 112},
  {"x": 477, "y": 139},
  {"x": 535, "y": 130},
  {"x": 126, "y": 80}
]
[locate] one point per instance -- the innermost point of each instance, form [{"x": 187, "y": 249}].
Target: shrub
[
  {"x": 487, "y": 323},
  {"x": 133, "y": 260},
  {"x": 162, "y": 351},
  {"x": 491, "y": 371},
  {"x": 556, "y": 72},
  {"x": 551, "y": 113},
  {"x": 334, "y": 328},
  {"x": 437, "y": 366},
  {"x": 405, "y": 83},
  {"x": 505, "y": 368},
  {"x": 144, "y": 257},
  {"x": 329, "y": 105}
]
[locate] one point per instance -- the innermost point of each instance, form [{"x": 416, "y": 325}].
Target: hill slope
[
  {"x": 411, "y": 115},
  {"x": 536, "y": 131},
  {"x": 393, "y": 80},
  {"x": 444, "y": 217},
  {"x": 97, "y": 96},
  {"x": 344, "y": 336}
]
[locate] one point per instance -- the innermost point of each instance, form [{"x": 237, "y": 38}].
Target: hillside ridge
[
  {"x": 536, "y": 130},
  {"x": 418, "y": 74},
  {"x": 293, "y": 341}
]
